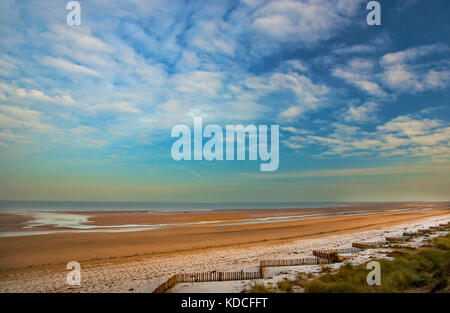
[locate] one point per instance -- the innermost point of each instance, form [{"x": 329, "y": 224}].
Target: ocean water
[{"x": 154, "y": 206}]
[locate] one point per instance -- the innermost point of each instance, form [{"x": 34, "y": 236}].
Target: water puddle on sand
[{"x": 77, "y": 223}]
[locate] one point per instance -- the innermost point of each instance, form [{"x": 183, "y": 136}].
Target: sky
[{"x": 86, "y": 111}]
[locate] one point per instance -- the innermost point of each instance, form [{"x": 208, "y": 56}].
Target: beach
[{"x": 134, "y": 251}]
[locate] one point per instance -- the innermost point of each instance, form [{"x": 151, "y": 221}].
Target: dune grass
[
  {"x": 261, "y": 288},
  {"x": 421, "y": 270},
  {"x": 426, "y": 270}
]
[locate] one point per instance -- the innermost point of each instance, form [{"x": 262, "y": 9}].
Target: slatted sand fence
[
  {"x": 217, "y": 276},
  {"x": 166, "y": 285},
  {"x": 368, "y": 244},
  {"x": 410, "y": 234},
  {"x": 207, "y": 277},
  {"x": 424, "y": 231},
  {"x": 439, "y": 227},
  {"x": 330, "y": 255},
  {"x": 227, "y": 276},
  {"x": 397, "y": 239},
  {"x": 347, "y": 250},
  {"x": 333, "y": 255},
  {"x": 293, "y": 262}
]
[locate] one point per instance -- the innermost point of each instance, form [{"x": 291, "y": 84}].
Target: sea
[{"x": 155, "y": 206}]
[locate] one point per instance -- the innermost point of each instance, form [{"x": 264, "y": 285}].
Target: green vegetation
[
  {"x": 442, "y": 242},
  {"x": 419, "y": 270},
  {"x": 398, "y": 246},
  {"x": 325, "y": 269},
  {"x": 284, "y": 285},
  {"x": 426, "y": 269},
  {"x": 260, "y": 288}
]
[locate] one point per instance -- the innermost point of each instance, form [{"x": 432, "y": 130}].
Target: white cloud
[
  {"x": 291, "y": 144},
  {"x": 398, "y": 76},
  {"x": 188, "y": 61},
  {"x": 212, "y": 36},
  {"x": 406, "y": 79},
  {"x": 13, "y": 93},
  {"x": 355, "y": 49},
  {"x": 200, "y": 83},
  {"x": 437, "y": 79},
  {"x": 13, "y": 118},
  {"x": 8, "y": 64},
  {"x": 304, "y": 21},
  {"x": 309, "y": 96},
  {"x": 294, "y": 130},
  {"x": 116, "y": 107},
  {"x": 374, "y": 45},
  {"x": 69, "y": 67},
  {"x": 363, "y": 113},
  {"x": 294, "y": 65},
  {"x": 78, "y": 37},
  {"x": 360, "y": 73},
  {"x": 411, "y": 54},
  {"x": 408, "y": 126},
  {"x": 401, "y": 72},
  {"x": 253, "y": 3}
]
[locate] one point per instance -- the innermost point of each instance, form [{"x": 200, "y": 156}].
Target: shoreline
[{"x": 41, "y": 222}]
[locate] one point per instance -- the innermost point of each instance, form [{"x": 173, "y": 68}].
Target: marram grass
[{"x": 422, "y": 270}]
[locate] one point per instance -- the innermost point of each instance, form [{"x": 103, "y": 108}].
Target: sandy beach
[{"x": 118, "y": 253}]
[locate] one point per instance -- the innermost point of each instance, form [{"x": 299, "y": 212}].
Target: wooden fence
[
  {"x": 370, "y": 244},
  {"x": 330, "y": 255},
  {"x": 342, "y": 250},
  {"x": 206, "y": 277},
  {"x": 397, "y": 239},
  {"x": 217, "y": 276},
  {"x": 438, "y": 227},
  {"x": 166, "y": 285},
  {"x": 293, "y": 262},
  {"x": 410, "y": 234}
]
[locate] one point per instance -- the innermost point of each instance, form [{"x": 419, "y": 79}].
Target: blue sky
[{"x": 86, "y": 111}]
